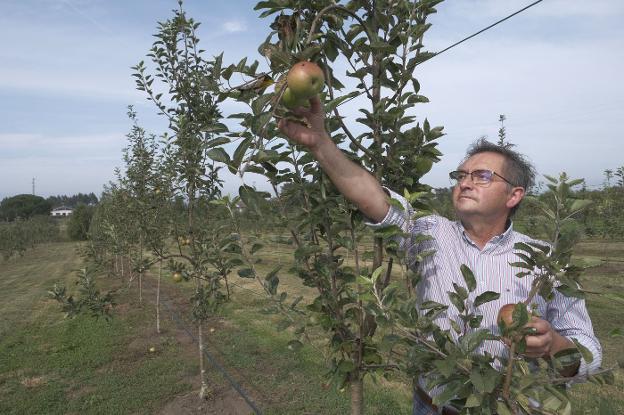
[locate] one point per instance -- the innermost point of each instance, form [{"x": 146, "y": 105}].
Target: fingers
[
  {"x": 297, "y": 132},
  {"x": 538, "y": 338},
  {"x": 540, "y": 343},
  {"x": 539, "y": 325},
  {"x": 538, "y": 346},
  {"x": 315, "y": 105}
]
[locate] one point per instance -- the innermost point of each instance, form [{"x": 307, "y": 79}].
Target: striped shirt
[{"x": 493, "y": 272}]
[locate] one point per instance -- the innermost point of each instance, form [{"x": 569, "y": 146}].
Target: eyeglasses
[{"x": 478, "y": 177}]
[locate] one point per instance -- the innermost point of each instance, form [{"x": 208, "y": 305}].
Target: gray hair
[{"x": 517, "y": 168}]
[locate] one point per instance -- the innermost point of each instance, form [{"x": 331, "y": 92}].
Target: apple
[
  {"x": 305, "y": 79},
  {"x": 506, "y": 314},
  {"x": 289, "y": 100},
  {"x": 152, "y": 349},
  {"x": 177, "y": 277}
]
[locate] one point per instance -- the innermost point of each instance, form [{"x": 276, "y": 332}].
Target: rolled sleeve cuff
[
  {"x": 396, "y": 215},
  {"x": 587, "y": 368}
]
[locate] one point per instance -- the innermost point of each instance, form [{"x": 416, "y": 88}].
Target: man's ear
[{"x": 515, "y": 196}]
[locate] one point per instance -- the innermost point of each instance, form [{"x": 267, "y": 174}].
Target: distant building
[{"x": 61, "y": 211}]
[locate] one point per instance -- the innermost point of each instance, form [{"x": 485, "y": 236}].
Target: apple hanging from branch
[{"x": 304, "y": 80}]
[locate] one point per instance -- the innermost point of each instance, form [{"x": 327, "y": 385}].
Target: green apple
[
  {"x": 305, "y": 79},
  {"x": 289, "y": 100},
  {"x": 177, "y": 277}
]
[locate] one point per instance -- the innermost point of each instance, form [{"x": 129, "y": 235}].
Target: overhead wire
[{"x": 481, "y": 31}]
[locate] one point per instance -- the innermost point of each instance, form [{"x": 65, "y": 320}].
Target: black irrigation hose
[{"x": 212, "y": 360}]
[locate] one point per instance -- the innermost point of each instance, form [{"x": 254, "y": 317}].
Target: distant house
[{"x": 61, "y": 211}]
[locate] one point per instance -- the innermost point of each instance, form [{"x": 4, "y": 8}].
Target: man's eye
[{"x": 481, "y": 175}]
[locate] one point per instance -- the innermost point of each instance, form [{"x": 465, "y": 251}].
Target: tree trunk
[
  {"x": 158, "y": 297},
  {"x": 203, "y": 391},
  {"x": 357, "y": 394},
  {"x": 141, "y": 269}
]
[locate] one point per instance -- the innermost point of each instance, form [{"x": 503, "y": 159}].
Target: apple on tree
[
  {"x": 512, "y": 319},
  {"x": 304, "y": 80},
  {"x": 289, "y": 100}
]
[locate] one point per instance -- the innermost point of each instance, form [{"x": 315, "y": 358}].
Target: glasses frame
[{"x": 457, "y": 181}]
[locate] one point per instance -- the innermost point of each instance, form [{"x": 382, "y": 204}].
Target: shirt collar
[{"x": 496, "y": 240}]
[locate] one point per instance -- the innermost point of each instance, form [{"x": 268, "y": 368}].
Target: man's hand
[
  {"x": 308, "y": 137},
  {"x": 355, "y": 183},
  {"x": 543, "y": 341},
  {"x": 539, "y": 341}
]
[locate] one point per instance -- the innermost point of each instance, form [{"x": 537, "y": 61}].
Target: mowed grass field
[{"x": 53, "y": 365}]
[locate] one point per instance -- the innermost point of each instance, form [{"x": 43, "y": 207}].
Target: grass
[
  {"x": 606, "y": 314},
  {"x": 51, "y": 365}
]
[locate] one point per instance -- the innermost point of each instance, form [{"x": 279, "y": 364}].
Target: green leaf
[
  {"x": 475, "y": 322},
  {"x": 457, "y": 301},
  {"x": 449, "y": 391},
  {"x": 219, "y": 154},
  {"x": 580, "y": 204},
  {"x": 616, "y": 332},
  {"x": 283, "y": 324},
  {"x": 473, "y": 401},
  {"x": 427, "y": 305},
  {"x": 570, "y": 291},
  {"x": 334, "y": 103},
  {"x": 587, "y": 355},
  {"x": 472, "y": 340},
  {"x": 567, "y": 357},
  {"x": 461, "y": 291},
  {"x": 256, "y": 247},
  {"x": 377, "y": 273},
  {"x": 469, "y": 277},
  {"x": 486, "y": 297},
  {"x": 446, "y": 367},
  {"x": 272, "y": 273},
  {"x": 484, "y": 380},
  {"x": 240, "y": 151},
  {"x": 217, "y": 142},
  {"x": 346, "y": 366},
  {"x": 389, "y": 231},
  {"x": 246, "y": 273},
  {"x": 502, "y": 408}
]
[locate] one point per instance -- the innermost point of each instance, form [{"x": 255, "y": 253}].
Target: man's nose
[{"x": 466, "y": 182}]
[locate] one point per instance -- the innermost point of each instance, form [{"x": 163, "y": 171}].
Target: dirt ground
[{"x": 223, "y": 398}]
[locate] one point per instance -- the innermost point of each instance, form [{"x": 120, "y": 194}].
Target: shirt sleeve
[
  {"x": 569, "y": 317},
  {"x": 399, "y": 213}
]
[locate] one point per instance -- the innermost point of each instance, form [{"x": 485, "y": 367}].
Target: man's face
[{"x": 491, "y": 201}]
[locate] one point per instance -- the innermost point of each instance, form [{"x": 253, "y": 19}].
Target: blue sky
[{"x": 554, "y": 71}]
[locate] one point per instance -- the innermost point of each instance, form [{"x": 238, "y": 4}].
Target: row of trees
[
  {"x": 22, "y": 234},
  {"x": 166, "y": 208},
  {"x": 26, "y": 206}
]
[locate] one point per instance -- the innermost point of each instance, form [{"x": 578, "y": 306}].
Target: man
[{"x": 489, "y": 186}]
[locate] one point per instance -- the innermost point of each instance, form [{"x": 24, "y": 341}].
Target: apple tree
[{"x": 367, "y": 50}]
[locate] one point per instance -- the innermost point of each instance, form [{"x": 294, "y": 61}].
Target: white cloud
[
  {"x": 25, "y": 146},
  {"x": 233, "y": 26}
]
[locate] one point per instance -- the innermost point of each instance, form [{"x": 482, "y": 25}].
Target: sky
[{"x": 553, "y": 70}]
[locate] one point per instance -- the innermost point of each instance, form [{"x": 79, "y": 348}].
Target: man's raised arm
[{"x": 354, "y": 182}]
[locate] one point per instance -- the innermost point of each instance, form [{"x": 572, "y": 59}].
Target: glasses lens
[
  {"x": 482, "y": 176},
  {"x": 457, "y": 176}
]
